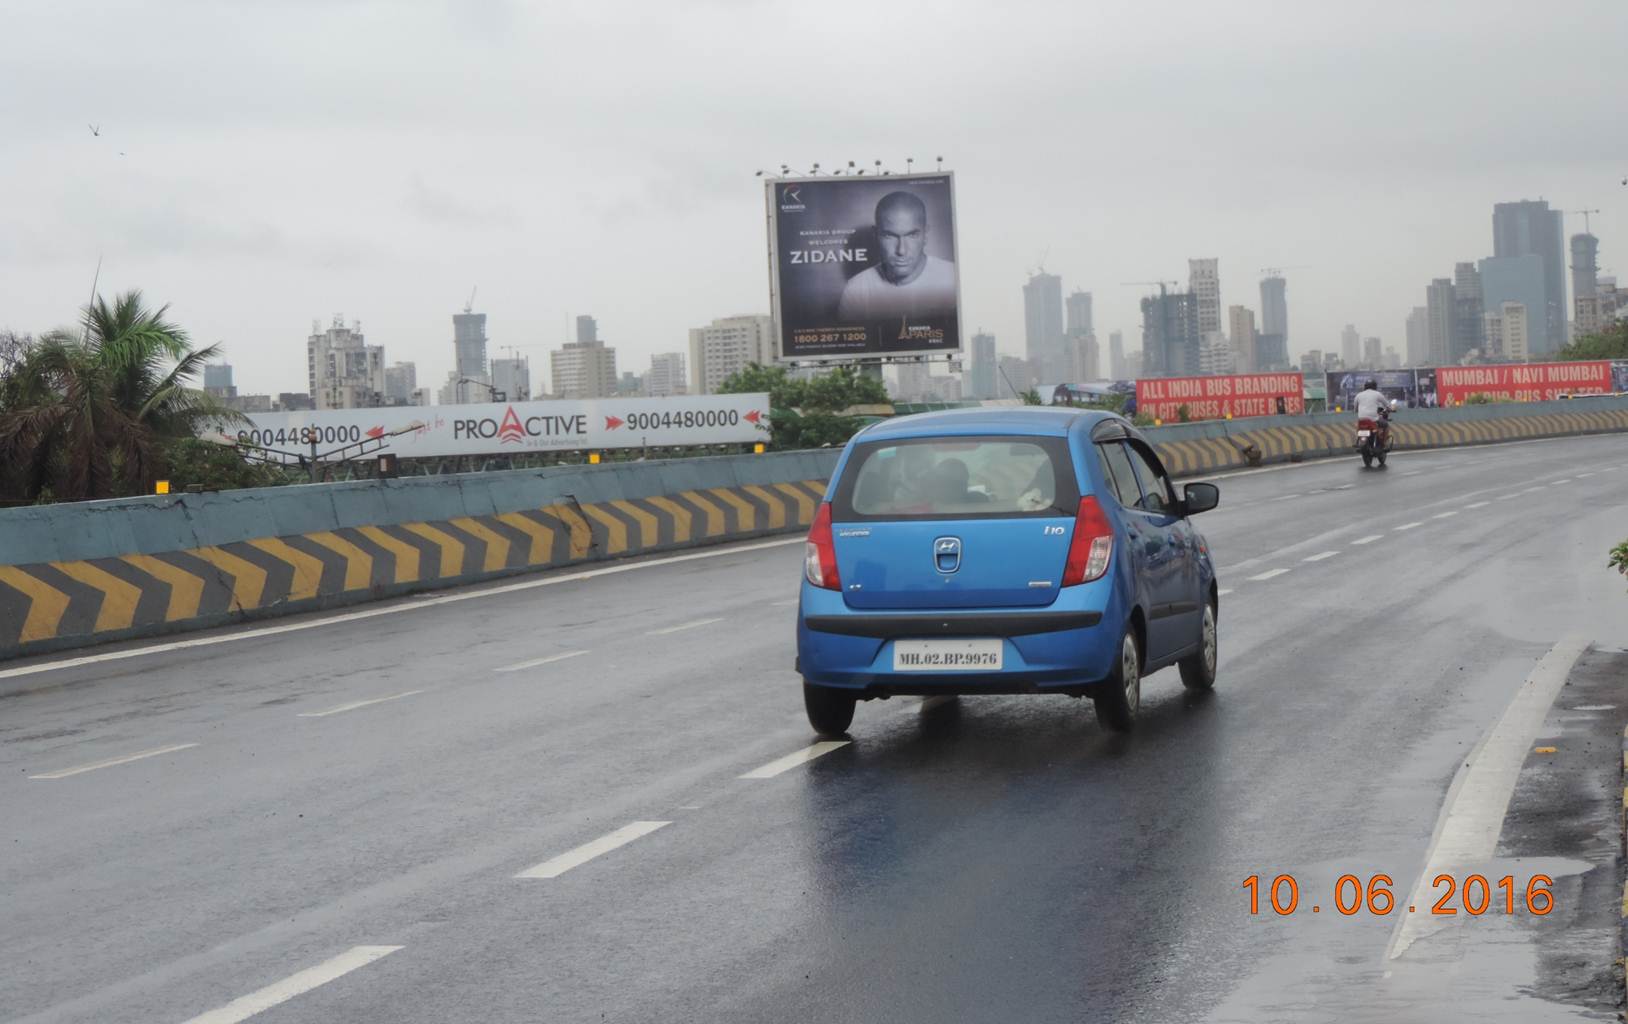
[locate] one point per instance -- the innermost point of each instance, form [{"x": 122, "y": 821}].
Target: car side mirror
[{"x": 1196, "y": 498}]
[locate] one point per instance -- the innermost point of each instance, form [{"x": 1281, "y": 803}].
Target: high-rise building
[
  {"x": 1271, "y": 352},
  {"x": 1508, "y": 330},
  {"x": 1134, "y": 365},
  {"x": 344, "y": 371},
  {"x": 1517, "y": 279},
  {"x": 1043, "y": 327},
  {"x": 400, "y": 382},
  {"x": 1241, "y": 329},
  {"x": 725, "y": 347},
  {"x": 1311, "y": 363},
  {"x": 1204, "y": 281},
  {"x": 511, "y": 378},
  {"x": 217, "y": 380},
  {"x": 1275, "y": 310},
  {"x": 584, "y": 369},
  {"x": 1439, "y": 311},
  {"x": 1393, "y": 359},
  {"x": 1171, "y": 340},
  {"x": 1373, "y": 353},
  {"x": 1079, "y": 313},
  {"x": 629, "y": 385},
  {"x": 1087, "y": 356},
  {"x": 1350, "y": 347},
  {"x": 1419, "y": 337},
  {"x": 983, "y": 373},
  {"x": 1531, "y": 228},
  {"x": 666, "y": 377},
  {"x": 912, "y": 382},
  {"x": 459, "y": 390},
  {"x": 587, "y": 330},
  {"x": 1585, "y": 284},
  {"x": 1013, "y": 374},
  {"x": 1117, "y": 369},
  {"x": 469, "y": 344},
  {"x": 1215, "y": 354},
  {"x": 1469, "y": 312}
]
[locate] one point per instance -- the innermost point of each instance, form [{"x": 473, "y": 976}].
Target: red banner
[
  {"x": 1522, "y": 382},
  {"x": 1214, "y": 398}
]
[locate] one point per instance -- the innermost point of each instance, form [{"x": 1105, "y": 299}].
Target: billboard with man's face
[{"x": 864, "y": 266}]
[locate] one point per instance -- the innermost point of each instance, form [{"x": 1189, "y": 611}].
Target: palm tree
[{"x": 86, "y": 416}]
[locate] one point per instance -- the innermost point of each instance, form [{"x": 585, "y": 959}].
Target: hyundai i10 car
[{"x": 983, "y": 551}]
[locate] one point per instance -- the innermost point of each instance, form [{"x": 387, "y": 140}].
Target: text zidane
[{"x": 1474, "y": 895}]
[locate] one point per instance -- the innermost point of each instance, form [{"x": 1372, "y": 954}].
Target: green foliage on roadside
[
  {"x": 1611, "y": 343},
  {"x": 89, "y": 412},
  {"x": 191, "y": 461},
  {"x": 806, "y": 413},
  {"x": 1619, "y": 558}
]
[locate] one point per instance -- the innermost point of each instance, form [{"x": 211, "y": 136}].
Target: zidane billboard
[
  {"x": 515, "y": 427},
  {"x": 864, "y": 267}
]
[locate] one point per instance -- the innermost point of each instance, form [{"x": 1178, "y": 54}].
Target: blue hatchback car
[{"x": 1003, "y": 551}]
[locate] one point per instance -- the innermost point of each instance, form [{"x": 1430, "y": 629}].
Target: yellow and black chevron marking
[
  {"x": 52, "y": 601},
  {"x": 1208, "y": 455}
]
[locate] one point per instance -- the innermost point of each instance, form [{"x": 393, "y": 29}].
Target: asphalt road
[{"x": 335, "y": 822}]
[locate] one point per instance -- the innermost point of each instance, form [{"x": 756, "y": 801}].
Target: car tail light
[
  {"x": 820, "y": 553},
  {"x": 1092, "y": 546}
]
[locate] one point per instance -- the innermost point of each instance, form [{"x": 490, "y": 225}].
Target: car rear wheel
[
  {"x": 830, "y": 711},
  {"x": 1198, "y": 670},
  {"x": 1120, "y": 695}
]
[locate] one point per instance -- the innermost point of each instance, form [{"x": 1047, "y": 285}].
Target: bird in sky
[{"x": 96, "y": 130}]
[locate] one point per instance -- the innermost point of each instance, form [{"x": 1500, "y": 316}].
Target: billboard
[
  {"x": 1213, "y": 398},
  {"x": 1523, "y": 382},
  {"x": 518, "y": 427},
  {"x": 864, "y": 267},
  {"x": 1415, "y": 389}
]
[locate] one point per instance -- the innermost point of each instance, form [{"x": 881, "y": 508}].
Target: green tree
[
  {"x": 1611, "y": 343},
  {"x": 1619, "y": 558},
  {"x": 808, "y": 413},
  {"x": 87, "y": 413}
]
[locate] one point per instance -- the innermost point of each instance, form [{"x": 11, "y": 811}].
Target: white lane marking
[
  {"x": 1368, "y": 539},
  {"x": 786, "y": 604},
  {"x": 1529, "y": 490},
  {"x": 1268, "y": 574},
  {"x": 353, "y": 705},
  {"x": 1509, "y": 497},
  {"x": 554, "y": 867},
  {"x": 1580, "y": 476},
  {"x": 1562, "y": 480},
  {"x": 1473, "y": 815},
  {"x": 1477, "y": 504},
  {"x": 1223, "y": 593},
  {"x": 294, "y": 985},
  {"x": 1414, "y": 473},
  {"x": 411, "y": 605},
  {"x": 697, "y": 624},
  {"x": 536, "y": 662},
  {"x": 1343, "y": 487},
  {"x": 1320, "y": 556},
  {"x": 790, "y": 761},
  {"x": 1283, "y": 497},
  {"x": 1444, "y": 515},
  {"x": 112, "y": 761},
  {"x": 1407, "y": 526}
]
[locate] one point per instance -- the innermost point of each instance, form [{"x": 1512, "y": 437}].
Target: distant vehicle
[
  {"x": 1374, "y": 436},
  {"x": 1003, "y": 551}
]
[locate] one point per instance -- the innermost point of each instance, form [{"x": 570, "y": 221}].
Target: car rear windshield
[{"x": 958, "y": 477}]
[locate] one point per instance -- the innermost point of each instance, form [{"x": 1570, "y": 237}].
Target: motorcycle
[{"x": 1374, "y": 436}]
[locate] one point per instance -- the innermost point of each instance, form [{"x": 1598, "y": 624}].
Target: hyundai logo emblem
[{"x": 947, "y": 554}]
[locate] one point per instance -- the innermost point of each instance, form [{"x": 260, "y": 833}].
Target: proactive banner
[
  {"x": 864, "y": 266},
  {"x": 1213, "y": 398},
  {"x": 495, "y": 428}
]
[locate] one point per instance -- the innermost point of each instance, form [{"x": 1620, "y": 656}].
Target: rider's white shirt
[{"x": 1369, "y": 403}]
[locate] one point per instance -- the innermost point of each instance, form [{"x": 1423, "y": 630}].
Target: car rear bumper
[{"x": 1054, "y": 650}]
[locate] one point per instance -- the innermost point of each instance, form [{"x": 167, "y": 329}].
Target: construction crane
[
  {"x": 470, "y": 305},
  {"x": 1150, "y": 284},
  {"x": 1585, "y": 213},
  {"x": 1278, "y": 271}
]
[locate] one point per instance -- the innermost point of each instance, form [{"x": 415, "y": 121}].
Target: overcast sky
[{"x": 264, "y": 164}]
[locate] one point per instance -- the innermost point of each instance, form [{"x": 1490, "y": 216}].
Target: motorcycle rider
[{"x": 1368, "y": 403}]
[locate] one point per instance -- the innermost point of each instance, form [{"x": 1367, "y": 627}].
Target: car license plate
[
  {"x": 1364, "y": 433},
  {"x": 947, "y": 655}
]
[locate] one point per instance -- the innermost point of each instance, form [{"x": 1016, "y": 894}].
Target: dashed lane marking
[
  {"x": 1408, "y": 526},
  {"x": 554, "y": 867},
  {"x": 1368, "y": 539},
  {"x": 1320, "y": 556},
  {"x": 357, "y": 704},
  {"x": 295, "y": 984},
  {"x": 112, "y": 761},
  {"x": 1268, "y": 574},
  {"x": 1444, "y": 515},
  {"x": 1477, "y": 504},
  {"x": 537, "y": 662},
  {"x": 681, "y": 627},
  {"x": 790, "y": 761},
  {"x": 1224, "y": 592}
]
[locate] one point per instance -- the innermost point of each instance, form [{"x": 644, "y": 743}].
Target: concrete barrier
[{"x": 89, "y": 572}]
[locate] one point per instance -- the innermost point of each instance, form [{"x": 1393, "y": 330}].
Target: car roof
[{"x": 1032, "y": 420}]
